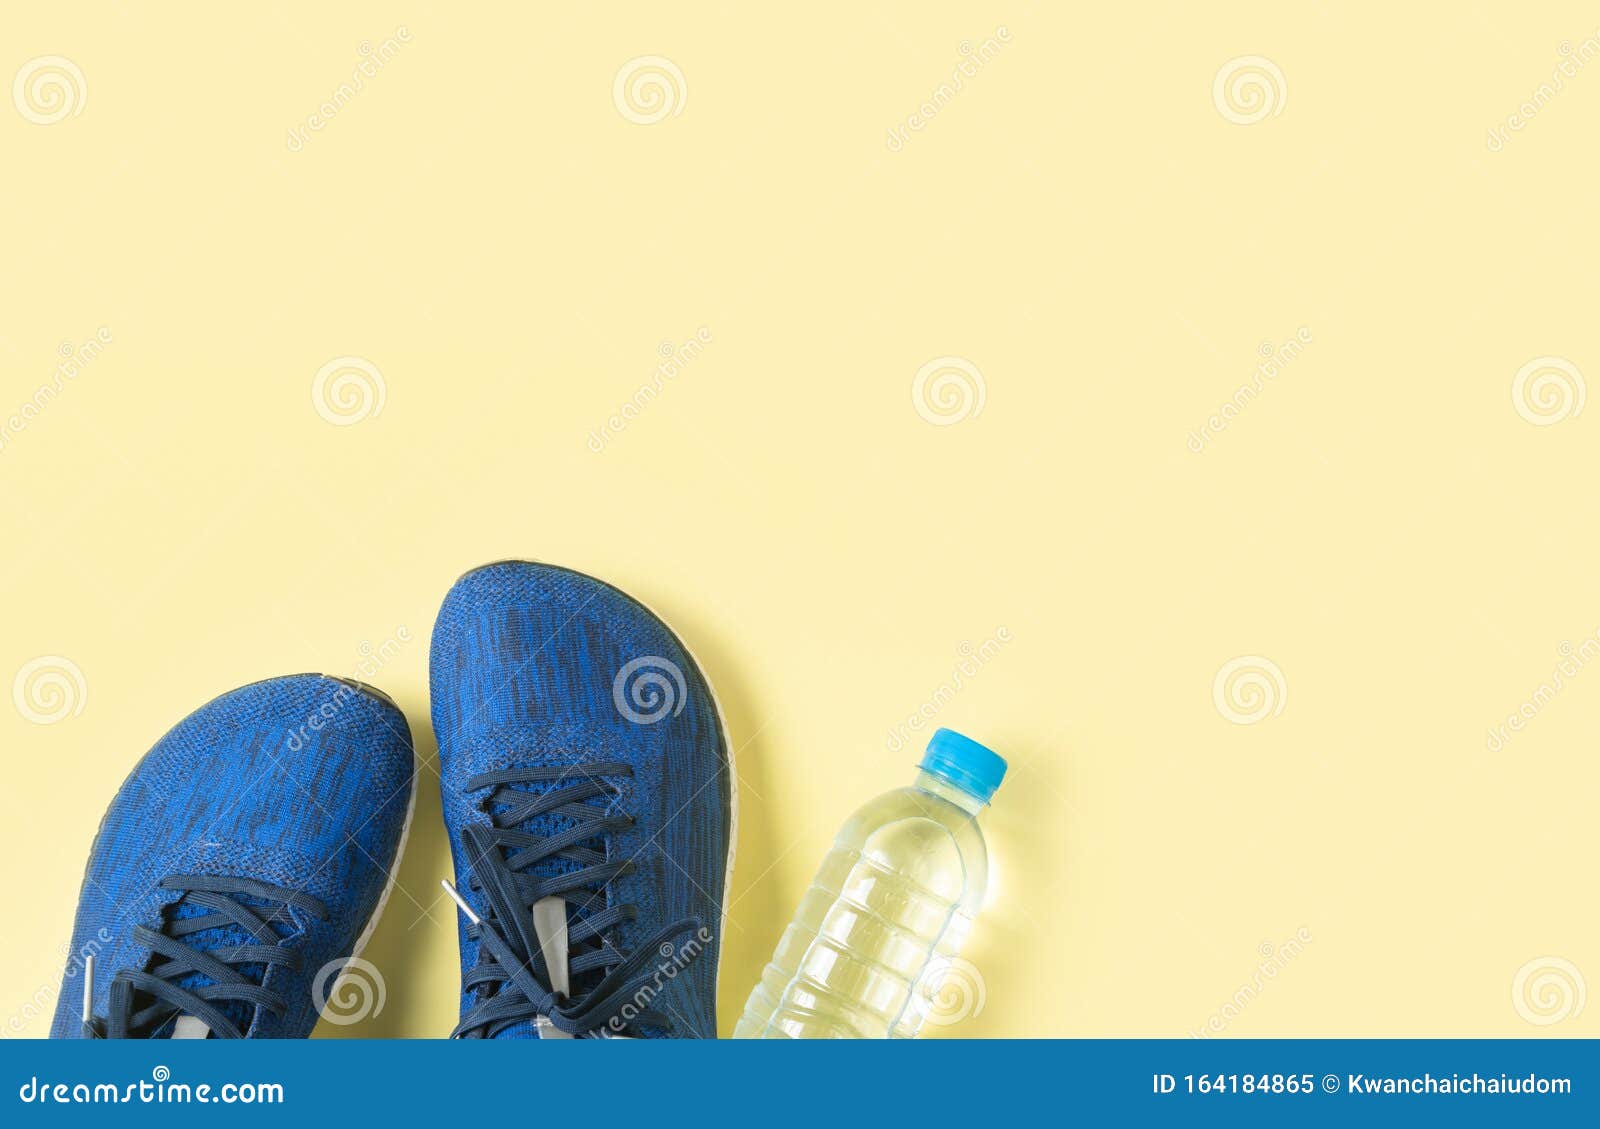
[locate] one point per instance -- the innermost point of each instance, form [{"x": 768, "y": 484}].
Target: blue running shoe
[
  {"x": 588, "y": 791},
  {"x": 242, "y": 863}
]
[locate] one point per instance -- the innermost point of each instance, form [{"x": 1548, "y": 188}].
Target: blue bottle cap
[{"x": 973, "y": 768}]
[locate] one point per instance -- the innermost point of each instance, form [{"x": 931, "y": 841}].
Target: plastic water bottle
[{"x": 889, "y": 909}]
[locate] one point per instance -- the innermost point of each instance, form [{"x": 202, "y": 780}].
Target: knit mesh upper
[
  {"x": 301, "y": 782},
  {"x": 525, "y": 669}
]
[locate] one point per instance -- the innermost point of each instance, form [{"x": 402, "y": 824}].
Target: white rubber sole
[
  {"x": 389, "y": 884},
  {"x": 394, "y": 873}
]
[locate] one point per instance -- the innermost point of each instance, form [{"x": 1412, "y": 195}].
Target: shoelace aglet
[
  {"x": 461, "y": 904},
  {"x": 88, "y": 988}
]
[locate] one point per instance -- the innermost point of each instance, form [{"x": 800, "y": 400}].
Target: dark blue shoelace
[
  {"x": 215, "y": 984},
  {"x": 512, "y": 979}
]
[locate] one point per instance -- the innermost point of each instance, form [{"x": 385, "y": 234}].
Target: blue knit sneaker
[
  {"x": 588, "y": 791},
  {"x": 242, "y": 862}
]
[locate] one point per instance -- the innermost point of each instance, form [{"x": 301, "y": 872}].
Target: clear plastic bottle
[{"x": 888, "y": 911}]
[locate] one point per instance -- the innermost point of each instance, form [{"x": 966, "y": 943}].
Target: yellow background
[{"x": 1082, "y": 224}]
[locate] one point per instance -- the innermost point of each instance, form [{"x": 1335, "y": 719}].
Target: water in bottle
[{"x": 889, "y": 909}]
